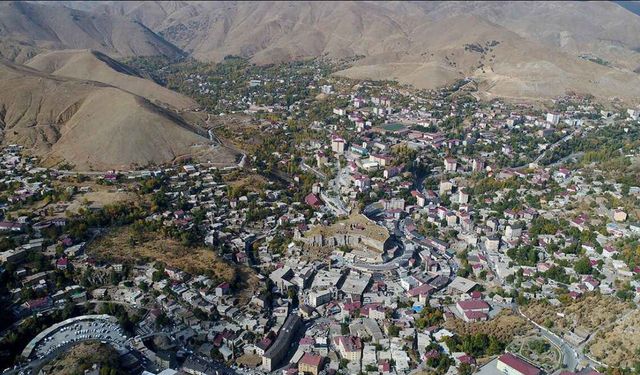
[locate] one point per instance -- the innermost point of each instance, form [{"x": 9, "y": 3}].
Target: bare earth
[{"x": 199, "y": 260}]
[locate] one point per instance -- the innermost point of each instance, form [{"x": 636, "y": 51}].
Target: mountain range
[
  {"x": 520, "y": 49},
  {"x": 543, "y": 49}
]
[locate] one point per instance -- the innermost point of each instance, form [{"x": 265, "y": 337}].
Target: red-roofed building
[
  {"x": 421, "y": 292},
  {"x": 384, "y": 367},
  {"x": 475, "y": 295},
  {"x": 306, "y": 342},
  {"x": 431, "y": 354},
  {"x": 473, "y": 305},
  {"x": 467, "y": 359},
  {"x": 512, "y": 365},
  {"x": 310, "y": 364},
  {"x": 263, "y": 345},
  {"x": 62, "y": 263},
  {"x": 473, "y": 310},
  {"x": 39, "y": 304},
  {"x": 312, "y": 200},
  {"x": 223, "y": 289}
]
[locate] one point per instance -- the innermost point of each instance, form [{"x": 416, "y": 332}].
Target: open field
[
  {"x": 588, "y": 313},
  {"x": 82, "y": 356},
  {"x": 250, "y": 360},
  {"x": 619, "y": 344},
  {"x": 99, "y": 199},
  {"x": 237, "y": 131},
  {"x": 118, "y": 246},
  {"x": 504, "y": 326},
  {"x": 240, "y": 180}
]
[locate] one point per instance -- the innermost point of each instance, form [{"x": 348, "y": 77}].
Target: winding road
[{"x": 570, "y": 356}]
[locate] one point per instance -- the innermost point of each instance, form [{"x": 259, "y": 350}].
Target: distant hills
[
  {"x": 80, "y": 106},
  {"x": 547, "y": 48},
  {"x": 27, "y": 28},
  {"x": 72, "y": 99}
]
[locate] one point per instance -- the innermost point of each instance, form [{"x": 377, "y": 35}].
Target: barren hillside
[
  {"x": 503, "y": 63},
  {"x": 96, "y": 66},
  {"x": 88, "y": 124},
  {"x": 545, "y": 48},
  {"x": 46, "y": 27},
  {"x": 601, "y": 29}
]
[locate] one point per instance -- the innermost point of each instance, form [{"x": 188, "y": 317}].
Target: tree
[
  {"x": 394, "y": 330},
  {"x": 583, "y": 266},
  {"x": 465, "y": 369}
]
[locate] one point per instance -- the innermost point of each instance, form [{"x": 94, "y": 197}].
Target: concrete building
[
  {"x": 337, "y": 145},
  {"x": 319, "y": 297},
  {"x": 310, "y": 364},
  {"x": 553, "y": 118},
  {"x": 350, "y": 348},
  {"x": 278, "y": 350},
  {"x": 450, "y": 164}
]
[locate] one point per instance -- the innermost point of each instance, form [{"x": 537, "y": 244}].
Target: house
[
  {"x": 450, "y": 164},
  {"x": 223, "y": 289},
  {"x": 339, "y": 111},
  {"x": 420, "y": 198},
  {"x": 492, "y": 243},
  {"x": 463, "y": 196},
  {"x": 422, "y": 292},
  {"x": 310, "y": 364},
  {"x": 350, "y": 348},
  {"x": 473, "y": 310},
  {"x": 477, "y": 165},
  {"x": 7, "y": 226},
  {"x": 619, "y": 215},
  {"x": 337, "y": 145},
  {"x": 62, "y": 263},
  {"x": 263, "y": 345},
  {"x": 313, "y": 200},
  {"x": 382, "y": 160},
  {"x": 509, "y": 364}
]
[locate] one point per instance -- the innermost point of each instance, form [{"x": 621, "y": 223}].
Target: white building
[{"x": 553, "y": 118}]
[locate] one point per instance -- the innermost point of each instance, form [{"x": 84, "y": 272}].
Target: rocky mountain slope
[
  {"x": 89, "y": 124},
  {"x": 96, "y": 66},
  {"x": 27, "y": 28},
  {"x": 547, "y": 48},
  {"x": 501, "y": 61}
]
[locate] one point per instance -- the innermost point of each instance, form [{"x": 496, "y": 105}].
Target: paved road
[
  {"x": 570, "y": 357},
  {"x": 306, "y": 167},
  {"x": 550, "y": 148}
]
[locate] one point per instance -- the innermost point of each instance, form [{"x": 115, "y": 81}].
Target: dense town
[{"x": 370, "y": 228}]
